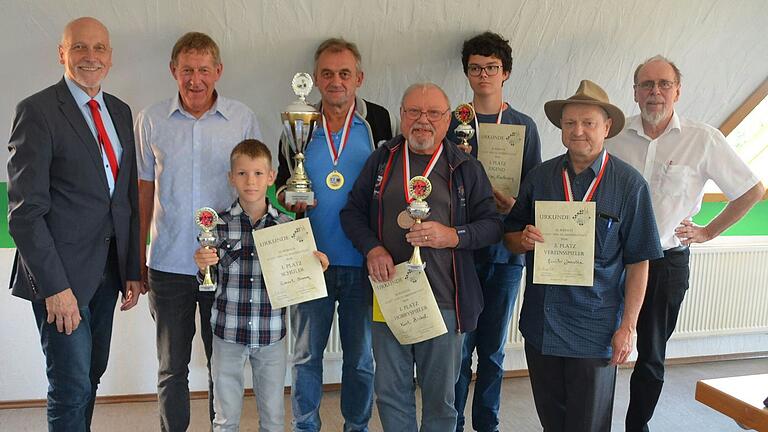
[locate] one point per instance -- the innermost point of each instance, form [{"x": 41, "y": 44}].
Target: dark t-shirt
[{"x": 439, "y": 266}]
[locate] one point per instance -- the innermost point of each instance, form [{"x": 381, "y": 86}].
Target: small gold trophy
[
  {"x": 464, "y": 113},
  {"x": 419, "y": 189},
  {"x": 299, "y": 120},
  {"x": 206, "y": 218}
]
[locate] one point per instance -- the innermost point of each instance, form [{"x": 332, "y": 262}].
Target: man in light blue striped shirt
[{"x": 183, "y": 145}]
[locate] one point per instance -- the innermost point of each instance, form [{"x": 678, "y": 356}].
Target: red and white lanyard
[
  {"x": 427, "y": 170},
  {"x": 498, "y": 118},
  {"x": 592, "y": 186},
  {"x": 335, "y": 154}
]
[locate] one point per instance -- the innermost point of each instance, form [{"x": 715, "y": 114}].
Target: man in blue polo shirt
[
  {"x": 350, "y": 130},
  {"x": 576, "y": 335}
]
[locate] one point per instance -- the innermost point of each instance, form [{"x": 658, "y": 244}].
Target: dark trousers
[
  {"x": 667, "y": 284},
  {"x": 571, "y": 394},
  {"x": 173, "y": 300},
  {"x": 75, "y": 363}
]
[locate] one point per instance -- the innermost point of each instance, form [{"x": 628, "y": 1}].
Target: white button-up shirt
[
  {"x": 188, "y": 160},
  {"x": 677, "y": 164}
]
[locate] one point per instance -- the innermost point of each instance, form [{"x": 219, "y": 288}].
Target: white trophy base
[
  {"x": 416, "y": 267},
  {"x": 292, "y": 197},
  {"x": 207, "y": 287}
]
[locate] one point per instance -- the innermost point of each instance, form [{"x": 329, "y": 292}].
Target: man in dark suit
[{"x": 72, "y": 195}]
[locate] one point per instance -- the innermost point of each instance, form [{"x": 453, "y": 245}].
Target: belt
[{"x": 676, "y": 250}]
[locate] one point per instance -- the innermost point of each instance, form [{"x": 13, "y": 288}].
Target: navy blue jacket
[{"x": 473, "y": 214}]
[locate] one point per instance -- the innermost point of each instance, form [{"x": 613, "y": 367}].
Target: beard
[
  {"x": 654, "y": 118},
  {"x": 421, "y": 144}
]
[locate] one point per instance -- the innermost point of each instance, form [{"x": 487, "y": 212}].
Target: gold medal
[
  {"x": 334, "y": 180},
  {"x": 404, "y": 220}
]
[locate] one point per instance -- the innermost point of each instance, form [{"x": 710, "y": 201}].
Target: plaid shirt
[{"x": 241, "y": 310}]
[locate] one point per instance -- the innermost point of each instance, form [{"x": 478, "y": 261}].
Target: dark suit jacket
[{"x": 60, "y": 213}]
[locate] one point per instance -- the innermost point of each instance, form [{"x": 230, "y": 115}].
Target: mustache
[{"x": 425, "y": 126}]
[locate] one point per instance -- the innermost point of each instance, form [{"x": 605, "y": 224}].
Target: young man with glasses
[
  {"x": 487, "y": 62},
  {"x": 462, "y": 219},
  {"x": 676, "y": 156}
]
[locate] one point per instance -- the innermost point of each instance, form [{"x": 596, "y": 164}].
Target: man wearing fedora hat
[
  {"x": 576, "y": 335},
  {"x": 676, "y": 156}
]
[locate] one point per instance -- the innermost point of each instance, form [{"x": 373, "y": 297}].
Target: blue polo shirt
[
  {"x": 326, "y": 224},
  {"x": 576, "y": 321},
  {"x": 498, "y": 253}
]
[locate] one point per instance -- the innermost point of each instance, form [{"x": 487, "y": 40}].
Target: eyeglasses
[
  {"x": 649, "y": 85},
  {"x": 476, "y": 70},
  {"x": 432, "y": 115}
]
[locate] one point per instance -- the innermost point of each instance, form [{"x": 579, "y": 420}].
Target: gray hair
[
  {"x": 424, "y": 86},
  {"x": 659, "y": 57}
]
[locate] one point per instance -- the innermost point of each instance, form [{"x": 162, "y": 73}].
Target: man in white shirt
[{"x": 676, "y": 156}]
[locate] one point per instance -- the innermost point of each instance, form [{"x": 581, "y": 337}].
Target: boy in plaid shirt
[{"x": 245, "y": 327}]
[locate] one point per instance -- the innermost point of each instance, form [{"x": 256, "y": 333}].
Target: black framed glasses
[{"x": 476, "y": 70}]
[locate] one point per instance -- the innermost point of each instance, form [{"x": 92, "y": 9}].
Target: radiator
[{"x": 728, "y": 294}]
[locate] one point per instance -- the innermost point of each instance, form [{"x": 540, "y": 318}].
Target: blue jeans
[
  {"x": 75, "y": 363},
  {"x": 268, "y": 374},
  {"x": 311, "y": 324},
  {"x": 500, "y": 284},
  {"x": 437, "y": 363}
]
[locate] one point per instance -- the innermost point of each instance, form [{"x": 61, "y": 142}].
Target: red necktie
[{"x": 103, "y": 137}]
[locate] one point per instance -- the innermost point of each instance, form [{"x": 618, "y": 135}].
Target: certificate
[
  {"x": 292, "y": 273},
  {"x": 567, "y": 255},
  {"x": 500, "y": 150},
  {"x": 408, "y": 306}
]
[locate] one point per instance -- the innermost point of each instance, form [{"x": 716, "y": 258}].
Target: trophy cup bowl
[
  {"x": 464, "y": 113},
  {"x": 206, "y": 219},
  {"x": 299, "y": 121},
  {"x": 464, "y": 132},
  {"x": 419, "y": 189}
]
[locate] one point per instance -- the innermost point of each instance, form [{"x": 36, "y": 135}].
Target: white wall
[{"x": 719, "y": 45}]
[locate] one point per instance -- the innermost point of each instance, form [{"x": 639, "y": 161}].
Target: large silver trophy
[{"x": 299, "y": 120}]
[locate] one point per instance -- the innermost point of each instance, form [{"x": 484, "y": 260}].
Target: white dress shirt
[{"x": 677, "y": 164}]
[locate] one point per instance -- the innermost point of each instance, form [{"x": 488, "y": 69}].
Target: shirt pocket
[
  {"x": 675, "y": 180},
  {"x": 230, "y": 251},
  {"x": 607, "y": 237}
]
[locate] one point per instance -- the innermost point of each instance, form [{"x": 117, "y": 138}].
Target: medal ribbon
[
  {"x": 498, "y": 118},
  {"x": 592, "y": 186},
  {"x": 427, "y": 170},
  {"x": 344, "y": 135}
]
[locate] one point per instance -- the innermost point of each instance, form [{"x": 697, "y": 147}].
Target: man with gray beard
[
  {"x": 463, "y": 218},
  {"x": 676, "y": 156}
]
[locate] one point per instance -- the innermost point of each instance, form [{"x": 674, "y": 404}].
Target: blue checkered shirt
[
  {"x": 577, "y": 321},
  {"x": 241, "y": 310}
]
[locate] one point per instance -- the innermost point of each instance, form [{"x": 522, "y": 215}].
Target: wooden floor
[{"x": 677, "y": 410}]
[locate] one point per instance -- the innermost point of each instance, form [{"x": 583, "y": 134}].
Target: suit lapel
[{"x": 75, "y": 118}]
